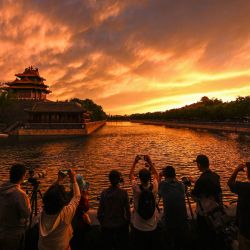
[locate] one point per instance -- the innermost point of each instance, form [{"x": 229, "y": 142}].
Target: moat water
[{"x": 115, "y": 146}]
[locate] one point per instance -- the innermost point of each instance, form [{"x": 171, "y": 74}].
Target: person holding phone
[
  {"x": 145, "y": 214},
  {"x": 55, "y": 230},
  {"x": 242, "y": 189}
]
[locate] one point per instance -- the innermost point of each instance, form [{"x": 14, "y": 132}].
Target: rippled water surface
[{"x": 114, "y": 147}]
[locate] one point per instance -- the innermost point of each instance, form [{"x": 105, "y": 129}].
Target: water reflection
[{"x": 115, "y": 146}]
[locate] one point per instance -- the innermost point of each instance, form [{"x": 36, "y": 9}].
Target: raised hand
[
  {"x": 72, "y": 175},
  {"x": 241, "y": 167}
]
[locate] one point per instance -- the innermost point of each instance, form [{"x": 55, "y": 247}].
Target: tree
[
  {"x": 204, "y": 110},
  {"x": 5, "y": 103},
  {"x": 96, "y": 111}
]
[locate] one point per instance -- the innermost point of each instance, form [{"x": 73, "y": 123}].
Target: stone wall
[
  {"x": 88, "y": 129},
  {"x": 49, "y": 132},
  {"x": 228, "y": 127},
  {"x": 93, "y": 126}
]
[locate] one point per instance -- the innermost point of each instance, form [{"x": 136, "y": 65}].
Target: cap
[{"x": 202, "y": 160}]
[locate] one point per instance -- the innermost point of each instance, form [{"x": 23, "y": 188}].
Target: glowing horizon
[{"x": 130, "y": 56}]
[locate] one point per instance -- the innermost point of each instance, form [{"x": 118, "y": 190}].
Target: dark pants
[
  {"x": 146, "y": 240},
  {"x": 175, "y": 238},
  {"x": 115, "y": 238},
  {"x": 207, "y": 238},
  {"x": 79, "y": 239},
  {"x": 12, "y": 241}
]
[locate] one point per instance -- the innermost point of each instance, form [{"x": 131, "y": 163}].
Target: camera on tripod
[
  {"x": 186, "y": 181},
  {"x": 33, "y": 176},
  {"x": 34, "y": 192}
]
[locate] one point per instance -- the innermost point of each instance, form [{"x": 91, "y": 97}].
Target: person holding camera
[
  {"x": 175, "y": 213},
  {"x": 14, "y": 210},
  {"x": 242, "y": 189},
  {"x": 55, "y": 230},
  {"x": 114, "y": 214},
  {"x": 145, "y": 214},
  {"x": 208, "y": 195}
]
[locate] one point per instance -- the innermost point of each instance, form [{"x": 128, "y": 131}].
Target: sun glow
[{"x": 130, "y": 56}]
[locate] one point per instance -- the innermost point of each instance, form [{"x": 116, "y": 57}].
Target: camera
[
  {"x": 64, "y": 172},
  {"x": 186, "y": 181},
  {"x": 141, "y": 157},
  {"x": 33, "y": 177}
]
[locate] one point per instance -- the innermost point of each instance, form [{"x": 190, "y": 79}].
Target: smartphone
[
  {"x": 64, "y": 172},
  {"x": 141, "y": 157}
]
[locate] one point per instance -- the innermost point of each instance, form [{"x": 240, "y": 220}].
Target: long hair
[{"x": 54, "y": 199}]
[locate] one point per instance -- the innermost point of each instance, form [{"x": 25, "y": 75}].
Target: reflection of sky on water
[{"x": 115, "y": 146}]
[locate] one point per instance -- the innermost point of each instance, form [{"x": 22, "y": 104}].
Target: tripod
[
  {"x": 189, "y": 203},
  {"x": 34, "y": 197}
]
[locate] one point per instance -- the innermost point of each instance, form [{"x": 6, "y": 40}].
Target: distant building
[
  {"x": 28, "y": 85},
  {"x": 32, "y": 114},
  {"x": 56, "y": 112}
]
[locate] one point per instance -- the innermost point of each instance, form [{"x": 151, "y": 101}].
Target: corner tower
[{"x": 28, "y": 85}]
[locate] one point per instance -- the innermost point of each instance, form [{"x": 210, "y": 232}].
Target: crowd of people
[{"x": 64, "y": 220}]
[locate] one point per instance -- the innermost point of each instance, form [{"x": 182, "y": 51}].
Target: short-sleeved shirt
[
  {"x": 138, "y": 222},
  {"x": 243, "y": 206},
  {"x": 208, "y": 185},
  {"x": 173, "y": 194},
  {"x": 114, "y": 209}
]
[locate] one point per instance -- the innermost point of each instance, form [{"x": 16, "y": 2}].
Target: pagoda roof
[
  {"x": 56, "y": 107},
  {"x": 25, "y": 80},
  {"x": 30, "y": 71},
  {"x": 31, "y": 83},
  {"x": 43, "y": 88}
]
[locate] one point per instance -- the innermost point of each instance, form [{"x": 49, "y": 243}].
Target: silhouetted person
[
  {"x": 208, "y": 195},
  {"x": 175, "y": 213},
  {"x": 14, "y": 210},
  {"x": 243, "y": 207},
  {"x": 145, "y": 214},
  {"x": 55, "y": 230},
  {"x": 114, "y": 214}
]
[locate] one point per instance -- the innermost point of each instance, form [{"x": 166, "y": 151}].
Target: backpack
[{"x": 146, "y": 203}]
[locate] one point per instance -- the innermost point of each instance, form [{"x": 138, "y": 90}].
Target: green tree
[
  {"x": 96, "y": 111},
  {"x": 204, "y": 110},
  {"x": 5, "y": 103}
]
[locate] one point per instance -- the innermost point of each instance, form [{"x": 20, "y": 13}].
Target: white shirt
[
  {"x": 55, "y": 231},
  {"x": 138, "y": 222}
]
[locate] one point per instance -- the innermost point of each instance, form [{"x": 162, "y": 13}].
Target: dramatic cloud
[{"x": 130, "y": 55}]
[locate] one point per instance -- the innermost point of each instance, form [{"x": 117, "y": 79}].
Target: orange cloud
[{"x": 130, "y": 56}]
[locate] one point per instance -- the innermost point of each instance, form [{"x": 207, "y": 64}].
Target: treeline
[
  {"x": 5, "y": 104},
  {"x": 96, "y": 111},
  {"x": 204, "y": 110}
]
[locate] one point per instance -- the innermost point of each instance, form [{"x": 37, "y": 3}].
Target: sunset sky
[{"x": 130, "y": 55}]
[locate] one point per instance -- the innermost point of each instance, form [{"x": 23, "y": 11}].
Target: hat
[
  {"x": 83, "y": 185},
  {"x": 202, "y": 160}
]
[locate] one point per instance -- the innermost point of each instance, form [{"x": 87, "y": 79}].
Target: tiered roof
[
  {"x": 29, "y": 79},
  {"x": 56, "y": 107}
]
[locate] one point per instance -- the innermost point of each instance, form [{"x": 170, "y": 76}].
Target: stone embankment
[
  {"x": 213, "y": 126},
  {"x": 93, "y": 126},
  {"x": 56, "y": 130}
]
